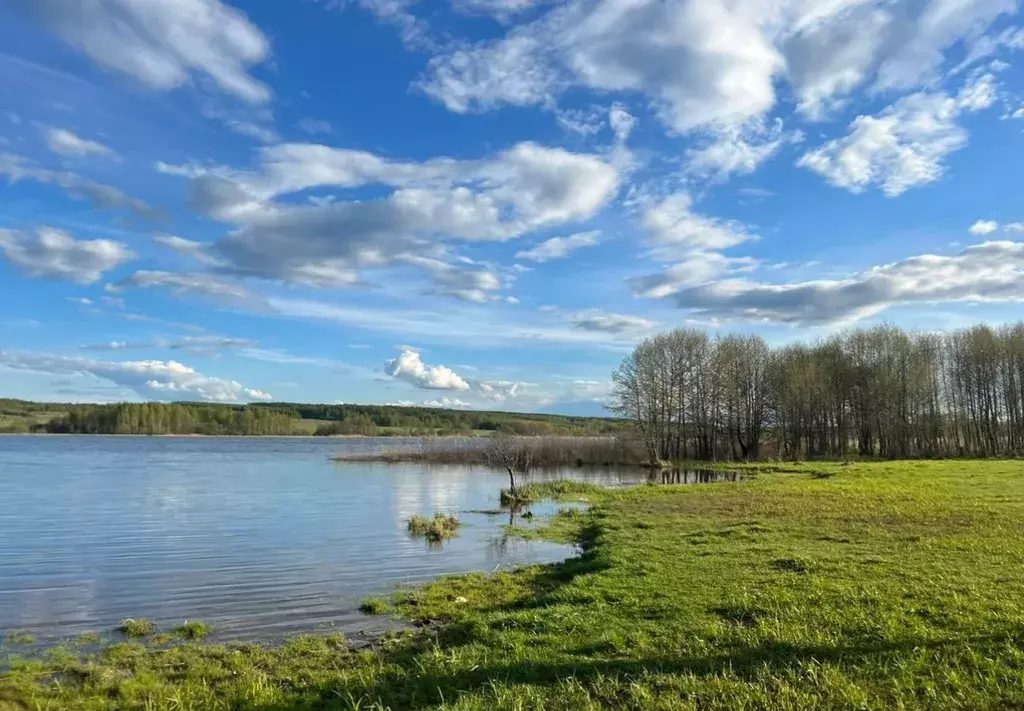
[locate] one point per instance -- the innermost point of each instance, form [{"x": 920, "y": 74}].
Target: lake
[{"x": 259, "y": 537}]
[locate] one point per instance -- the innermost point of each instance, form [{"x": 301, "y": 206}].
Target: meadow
[{"x": 808, "y": 586}]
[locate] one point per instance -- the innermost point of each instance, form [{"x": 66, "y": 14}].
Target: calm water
[{"x": 260, "y": 537}]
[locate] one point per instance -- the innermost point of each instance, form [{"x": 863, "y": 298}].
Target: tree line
[
  {"x": 873, "y": 392},
  {"x": 151, "y": 418},
  {"x": 371, "y": 419}
]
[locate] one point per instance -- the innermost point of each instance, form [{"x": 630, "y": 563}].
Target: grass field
[{"x": 868, "y": 586}]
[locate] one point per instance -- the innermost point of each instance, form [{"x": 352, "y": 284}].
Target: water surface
[{"x": 259, "y": 537}]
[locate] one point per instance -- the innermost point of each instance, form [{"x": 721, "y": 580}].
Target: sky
[{"x": 487, "y": 203}]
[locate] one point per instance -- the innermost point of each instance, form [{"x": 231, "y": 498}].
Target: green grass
[
  {"x": 193, "y": 629},
  {"x": 19, "y": 637},
  {"x": 434, "y": 528},
  {"x": 886, "y": 586},
  {"x": 136, "y": 628}
]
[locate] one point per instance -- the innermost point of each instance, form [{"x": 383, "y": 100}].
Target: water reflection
[{"x": 259, "y": 537}]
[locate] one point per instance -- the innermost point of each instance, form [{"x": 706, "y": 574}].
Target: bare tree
[{"x": 511, "y": 453}]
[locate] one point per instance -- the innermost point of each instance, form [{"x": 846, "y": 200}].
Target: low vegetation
[
  {"x": 136, "y": 628},
  {"x": 193, "y": 629},
  {"x": 884, "y": 586},
  {"x": 19, "y": 637},
  {"x": 541, "y": 452},
  {"x": 434, "y": 528}
]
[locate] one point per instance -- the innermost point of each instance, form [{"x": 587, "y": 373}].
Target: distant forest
[{"x": 277, "y": 419}]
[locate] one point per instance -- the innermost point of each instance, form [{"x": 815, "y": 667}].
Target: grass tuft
[
  {"x": 193, "y": 629},
  {"x": 375, "y": 606},
  {"x": 19, "y": 637},
  {"x": 136, "y": 628},
  {"x": 434, "y": 528}
]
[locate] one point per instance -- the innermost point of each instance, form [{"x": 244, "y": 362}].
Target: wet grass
[
  {"x": 886, "y": 586},
  {"x": 193, "y": 629},
  {"x": 434, "y": 528},
  {"x": 136, "y": 628},
  {"x": 19, "y": 637}
]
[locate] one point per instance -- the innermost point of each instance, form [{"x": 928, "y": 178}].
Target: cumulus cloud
[
  {"x": 987, "y": 272},
  {"x": 610, "y": 323},
  {"x": 902, "y": 147},
  {"x": 150, "y": 379},
  {"x": 621, "y": 121},
  {"x": 410, "y": 368},
  {"x": 697, "y": 74},
  {"x": 17, "y": 168},
  {"x": 468, "y": 284},
  {"x": 559, "y": 247},
  {"x": 328, "y": 242},
  {"x": 164, "y": 44},
  {"x": 448, "y": 403},
  {"x": 738, "y": 149},
  {"x": 673, "y": 227},
  {"x": 984, "y": 227},
  {"x": 501, "y": 390},
  {"x": 65, "y": 143},
  {"x": 53, "y": 254}
]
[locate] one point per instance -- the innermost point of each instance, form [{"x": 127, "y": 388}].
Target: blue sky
[{"x": 484, "y": 203}]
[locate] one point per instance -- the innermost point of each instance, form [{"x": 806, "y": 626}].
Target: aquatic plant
[
  {"x": 193, "y": 629},
  {"x": 434, "y": 528},
  {"x": 136, "y": 628}
]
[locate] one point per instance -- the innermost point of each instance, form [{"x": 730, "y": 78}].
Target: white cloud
[
  {"x": 199, "y": 251},
  {"x": 410, "y": 368},
  {"x": 207, "y": 344},
  {"x": 984, "y": 227},
  {"x": 17, "y": 168},
  {"x": 53, "y": 254},
  {"x": 502, "y": 390},
  {"x": 559, "y": 247},
  {"x": 989, "y": 272},
  {"x": 468, "y": 284},
  {"x": 705, "y": 63},
  {"x": 164, "y": 44},
  {"x": 448, "y": 403},
  {"x": 315, "y": 126},
  {"x": 902, "y": 147},
  {"x": 940, "y": 25},
  {"x": 510, "y": 71},
  {"x": 610, "y": 323},
  {"x": 692, "y": 269},
  {"x": 621, "y": 121},
  {"x": 65, "y": 143},
  {"x": 150, "y": 379},
  {"x": 328, "y": 242},
  {"x": 673, "y": 227},
  {"x": 1015, "y": 227},
  {"x": 184, "y": 284},
  {"x": 500, "y": 9},
  {"x": 739, "y": 149}
]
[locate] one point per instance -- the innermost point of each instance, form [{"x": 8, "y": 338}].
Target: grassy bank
[{"x": 867, "y": 586}]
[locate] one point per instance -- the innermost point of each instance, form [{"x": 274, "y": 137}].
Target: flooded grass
[
  {"x": 434, "y": 528},
  {"x": 136, "y": 628},
  {"x": 19, "y": 637},
  {"x": 895, "y": 585},
  {"x": 193, "y": 630}
]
